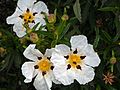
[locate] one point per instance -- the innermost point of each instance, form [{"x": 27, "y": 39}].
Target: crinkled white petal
[
  {"x": 48, "y": 80},
  {"x": 63, "y": 49},
  {"x": 32, "y": 53},
  {"x": 24, "y": 4},
  {"x": 28, "y": 71},
  {"x": 92, "y": 58},
  {"x": 14, "y": 18},
  {"x": 48, "y": 52},
  {"x": 66, "y": 77},
  {"x": 58, "y": 59},
  {"x": 40, "y": 82},
  {"x": 78, "y": 42},
  {"x": 39, "y": 20},
  {"x": 85, "y": 75},
  {"x": 40, "y": 7},
  {"x": 19, "y": 30},
  {"x": 52, "y": 76}
]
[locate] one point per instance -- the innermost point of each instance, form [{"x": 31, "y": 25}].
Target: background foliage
[{"x": 99, "y": 20}]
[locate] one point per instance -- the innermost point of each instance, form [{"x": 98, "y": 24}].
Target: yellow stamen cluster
[
  {"x": 44, "y": 65},
  {"x": 74, "y": 60},
  {"x": 28, "y": 16}
]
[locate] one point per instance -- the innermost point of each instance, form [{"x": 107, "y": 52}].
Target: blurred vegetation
[{"x": 99, "y": 20}]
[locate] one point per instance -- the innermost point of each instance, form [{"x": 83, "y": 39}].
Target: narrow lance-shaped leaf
[
  {"x": 77, "y": 10},
  {"x": 113, "y": 9},
  {"x": 97, "y": 38}
]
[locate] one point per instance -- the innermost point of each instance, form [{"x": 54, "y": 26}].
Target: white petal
[
  {"x": 24, "y": 4},
  {"x": 14, "y": 18},
  {"x": 63, "y": 49},
  {"x": 40, "y": 7},
  {"x": 92, "y": 58},
  {"x": 39, "y": 20},
  {"x": 63, "y": 75},
  {"x": 28, "y": 71},
  {"x": 53, "y": 78},
  {"x": 78, "y": 42},
  {"x": 49, "y": 52},
  {"x": 32, "y": 53},
  {"x": 40, "y": 83},
  {"x": 48, "y": 81},
  {"x": 19, "y": 30},
  {"x": 57, "y": 59},
  {"x": 85, "y": 75}
]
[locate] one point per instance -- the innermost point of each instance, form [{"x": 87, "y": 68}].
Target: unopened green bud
[
  {"x": 34, "y": 37},
  {"x": 65, "y": 17},
  {"x": 52, "y": 18},
  {"x": 113, "y": 60}
]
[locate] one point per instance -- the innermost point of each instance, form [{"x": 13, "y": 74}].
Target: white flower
[
  {"x": 39, "y": 67},
  {"x": 29, "y": 12},
  {"x": 75, "y": 63}
]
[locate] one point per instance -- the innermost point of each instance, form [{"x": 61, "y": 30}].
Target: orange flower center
[
  {"x": 44, "y": 65},
  {"x": 74, "y": 60},
  {"x": 28, "y": 16}
]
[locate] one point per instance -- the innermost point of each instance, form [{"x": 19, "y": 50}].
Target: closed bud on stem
[
  {"x": 52, "y": 18},
  {"x": 34, "y": 37},
  {"x": 65, "y": 17},
  {"x": 113, "y": 60}
]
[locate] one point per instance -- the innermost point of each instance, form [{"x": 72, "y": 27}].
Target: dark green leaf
[{"x": 77, "y": 10}]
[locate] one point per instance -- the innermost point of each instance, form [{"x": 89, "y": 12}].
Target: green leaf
[
  {"x": 113, "y": 9},
  {"x": 117, "y": 23},
  {"x": 77, "y": 10},
  {"x": 97, "y": 38},
  {"x": 34, "y": 28},
  {"x": 85, "y": 11},
  {"x": 64, "y": 31}
]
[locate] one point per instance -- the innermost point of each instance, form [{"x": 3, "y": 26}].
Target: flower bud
[
  {"x": 65, "y": 17},
  {"x": 2, "y": 51},
  {"x": 113, "y": 60},
  {"x": 52, "y": 18},
  {"x": 34, "y": 37}
]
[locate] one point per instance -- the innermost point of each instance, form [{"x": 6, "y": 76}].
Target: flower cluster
[{"x": 60, "y": 64}]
